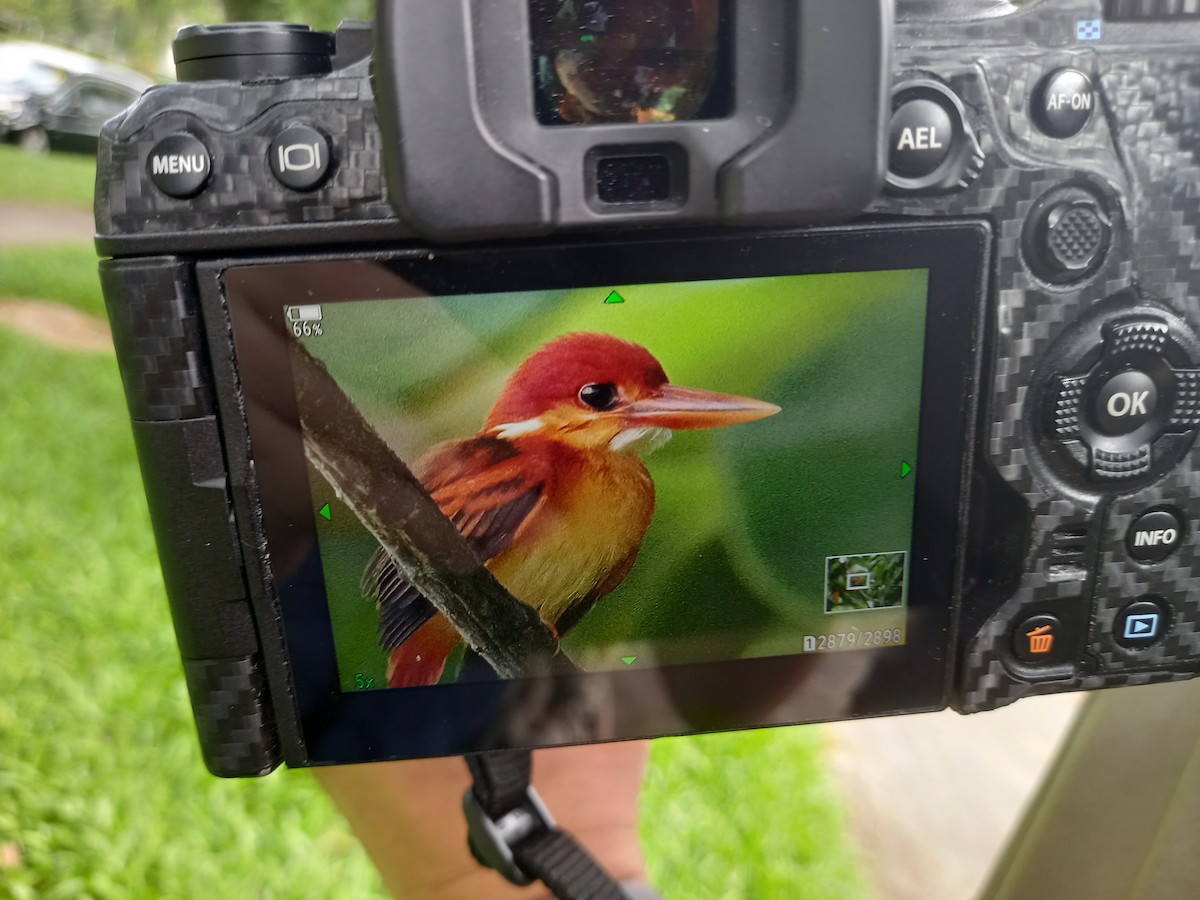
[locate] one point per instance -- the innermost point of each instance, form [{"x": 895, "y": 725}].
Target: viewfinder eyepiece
[{"x": 631, "y": 61}]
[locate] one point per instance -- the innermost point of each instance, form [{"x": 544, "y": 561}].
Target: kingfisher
[{"x": 551, "y": 493}]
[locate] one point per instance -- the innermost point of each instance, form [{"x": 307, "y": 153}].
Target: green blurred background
[
  {"x": 734, "y": 562},
  {"x": 102, "y": 790}
]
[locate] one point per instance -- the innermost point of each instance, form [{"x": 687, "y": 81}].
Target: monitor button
[
  {"x": 300, "y": 158},
  {"x": 1063, "y": 103},
  {"x": 179, "y": 166},
  {"x": 1142, "y": 623},
  {"x": 1040, "y": 640}
]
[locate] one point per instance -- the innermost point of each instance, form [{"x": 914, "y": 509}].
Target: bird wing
[{"x": 488, "y": 489}]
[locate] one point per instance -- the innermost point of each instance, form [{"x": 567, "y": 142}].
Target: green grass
[
  {"x": 54, "y": 178},
  {"x": 101, "y": 784},
  {"x": 64, "y": 272},
  {"x": 747, "y": 815}
]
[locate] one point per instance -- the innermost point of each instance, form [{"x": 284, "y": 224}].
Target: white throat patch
[
  {"x": 517, "y": 429},
  {"x": 641, "y": 441}
]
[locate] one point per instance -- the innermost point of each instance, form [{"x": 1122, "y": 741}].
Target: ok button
[{"x": 1125, "y": 403}]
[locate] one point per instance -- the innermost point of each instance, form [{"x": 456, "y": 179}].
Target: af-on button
[
  {"x": 1062, "y": 103},
  {"x": 179, "y": 166}
]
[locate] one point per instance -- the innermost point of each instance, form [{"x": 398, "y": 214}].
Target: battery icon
[{"x": 304, "y": 314}]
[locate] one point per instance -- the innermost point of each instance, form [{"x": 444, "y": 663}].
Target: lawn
[
  {"x": 56, "y": 178},
  {"x": 102, "y": 792}
]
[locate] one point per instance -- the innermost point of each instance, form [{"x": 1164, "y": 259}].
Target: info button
[{"x": 1154, "y": 535}]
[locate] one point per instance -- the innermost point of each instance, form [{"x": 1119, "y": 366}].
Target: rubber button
[
  {"x": 1063, "y": 102},
  {"x": 300, "y": 158},
  {"x": 1039, "y": 640},
  {"x": 1125, "y": 403},
  {"x": 1141, "y": 623},
  {"x": 179, "y": 166},
  {"x": 922, "y": 136},
  {"x": 1154, "y": 535}
]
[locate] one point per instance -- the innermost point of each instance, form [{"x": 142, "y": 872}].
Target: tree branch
[{"x": 389, "y": 501}]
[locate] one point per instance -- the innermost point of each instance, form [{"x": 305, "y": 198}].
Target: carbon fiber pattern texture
[
  {"x": 237, "y": 124},
  {"x": 1139, "y": 152},
  {"x": 233, "y": 716},
  {"x": 158, "y": 340}
]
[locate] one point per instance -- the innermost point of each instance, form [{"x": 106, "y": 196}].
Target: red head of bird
[{"x": 596, "y": 391}]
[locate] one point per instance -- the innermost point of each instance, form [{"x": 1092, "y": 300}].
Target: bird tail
[{"x": 420, "y": 659}]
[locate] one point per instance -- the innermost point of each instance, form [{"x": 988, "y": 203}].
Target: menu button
[{"x": 179, "y": 166}]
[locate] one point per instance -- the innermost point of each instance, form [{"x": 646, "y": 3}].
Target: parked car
[{"x": 55, "y": 99}]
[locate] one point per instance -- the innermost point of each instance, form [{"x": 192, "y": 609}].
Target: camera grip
[{"x": 157, "y": 334}]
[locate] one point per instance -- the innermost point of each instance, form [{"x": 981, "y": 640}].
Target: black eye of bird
[{"x": 599, "y": 396}]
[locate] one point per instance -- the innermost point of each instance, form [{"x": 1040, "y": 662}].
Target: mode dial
[{"x": 249, "y": 51}]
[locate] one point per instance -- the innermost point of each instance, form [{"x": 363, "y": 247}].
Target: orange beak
[{"x": 680, "y": 408}]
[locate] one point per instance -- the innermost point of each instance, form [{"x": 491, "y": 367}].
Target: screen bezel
[{"x": 337, "y": 727}]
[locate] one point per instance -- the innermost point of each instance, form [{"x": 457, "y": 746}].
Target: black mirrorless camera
[{"x": 405, "y": 333}]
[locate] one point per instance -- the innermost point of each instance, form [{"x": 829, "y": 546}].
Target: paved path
[
  {"x": 34, "y": 223},
  {"x": 933, "y": 798}
]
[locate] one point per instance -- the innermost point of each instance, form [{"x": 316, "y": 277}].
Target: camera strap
[{"x": 510, "y": 830}]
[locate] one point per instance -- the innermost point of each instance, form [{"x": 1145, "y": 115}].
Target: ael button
[
  {"x": 931, "y": 148},
  {"x": 179, "y": 166},
  {"x": 1062, "y": 103},
  {"x": 300, "y": 158},
  {"x": 1154, "y": 535},
  {"x": 921, "y": 138},
  {"x": 1142, "y": 623},
  {"x": 1039, "y": 641}
]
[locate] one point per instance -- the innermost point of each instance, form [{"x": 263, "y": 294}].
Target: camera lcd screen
[
  {"x": 685, "y": 456},
  {"x": 757, "y": 503},
  {"x": 631, "y": 61}
]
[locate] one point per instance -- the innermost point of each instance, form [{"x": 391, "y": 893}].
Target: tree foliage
[{"x": 139, "y": 32}]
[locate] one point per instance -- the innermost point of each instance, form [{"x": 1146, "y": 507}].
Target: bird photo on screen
[{"x": 551, "y": 493}]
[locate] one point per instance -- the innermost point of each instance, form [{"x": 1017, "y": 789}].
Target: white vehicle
[{"x": 51, "y": 98}]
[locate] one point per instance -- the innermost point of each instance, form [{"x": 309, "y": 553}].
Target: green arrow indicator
[
  {"x": 614, "y": 297},
  {"x": 629, "y": 660},
  {"x": 905, "y": 469},
  {"x": 327, "y": 513}
]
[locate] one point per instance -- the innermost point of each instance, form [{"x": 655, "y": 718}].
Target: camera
[{"x": 531, "y": 372}]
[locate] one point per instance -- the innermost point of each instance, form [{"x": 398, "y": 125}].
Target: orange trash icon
[{"x": 1041, "y": 639}]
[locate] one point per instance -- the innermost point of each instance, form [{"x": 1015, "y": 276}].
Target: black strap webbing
[{"x": 510, "y": 831}]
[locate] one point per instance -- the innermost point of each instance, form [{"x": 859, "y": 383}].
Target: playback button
[{"x": 1141, "y": 623}]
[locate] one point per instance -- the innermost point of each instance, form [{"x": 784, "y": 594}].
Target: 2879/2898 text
[{"x": 848, "y": 640}]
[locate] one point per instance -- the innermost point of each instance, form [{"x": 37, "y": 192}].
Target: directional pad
[{"x": 1116, "y": 420}]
